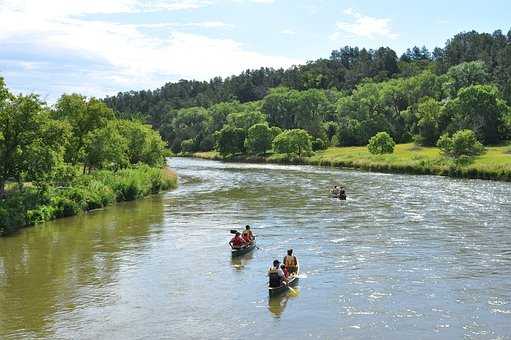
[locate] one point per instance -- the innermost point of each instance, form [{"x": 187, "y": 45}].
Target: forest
[{"x": 343, "y": 100}]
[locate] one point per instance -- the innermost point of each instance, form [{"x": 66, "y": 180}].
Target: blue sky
[{"x": 101, "y": 47}]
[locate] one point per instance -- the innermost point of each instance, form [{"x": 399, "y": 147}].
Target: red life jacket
[{"x": 237, "y": 241}]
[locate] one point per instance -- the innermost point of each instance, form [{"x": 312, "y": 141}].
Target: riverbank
[
  {"x": 32, "y": 205},
  {"x": 494, "y": 164}
]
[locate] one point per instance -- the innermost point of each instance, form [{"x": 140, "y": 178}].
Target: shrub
[
  {"x": 65, "y": 206},
  {"x": 41, "y": 214},
  {"x": 318, "y": 144},
  {"x": 381, "y": 143},
  {"x": 462, "y": 144},
  {"x": 188, "y": 145}
]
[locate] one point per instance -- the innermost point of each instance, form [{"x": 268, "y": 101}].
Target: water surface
[{"x": 404, "y": 257}]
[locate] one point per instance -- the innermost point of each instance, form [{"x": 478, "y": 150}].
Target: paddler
[
  {"x": 247, "y": 234},
  {"x": 291, "y": 262},
  {"x": 276, "y": 275},
  {"x": 237, "y": 241}
]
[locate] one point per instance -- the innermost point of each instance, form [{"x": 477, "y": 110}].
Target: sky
[{"x": 101, "y": 47}]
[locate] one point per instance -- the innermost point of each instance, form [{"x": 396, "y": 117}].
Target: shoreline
[
  {"x": 100, "y": 192},
  {"x": 494, "y": 165}
]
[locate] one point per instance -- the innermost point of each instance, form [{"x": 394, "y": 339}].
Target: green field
[{"x": 494, "y": 164}]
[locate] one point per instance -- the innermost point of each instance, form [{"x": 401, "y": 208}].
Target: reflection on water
[
  {"x": 239, "y": 262},
  {"x": 404, "y": 257},
  {"x": 277, "y": 304},
  {"x": 69, "y": 264}
]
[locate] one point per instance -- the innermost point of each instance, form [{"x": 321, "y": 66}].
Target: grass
[{"x": 494, "y": 164}]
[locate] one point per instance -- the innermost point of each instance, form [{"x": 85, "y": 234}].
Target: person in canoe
[
  {"x": 247, "y": 235},
  {"x": 237, "y": 241},
  {"x": 290, "y": 262},
  {"x": 335, "y": 191},
  {"x": 276, "y": 275},
  {"x": 342, "y": 193}
]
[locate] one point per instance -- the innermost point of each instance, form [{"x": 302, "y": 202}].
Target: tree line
[
  {"x": 71, "y": 157},
  {"x": 419, "y": 108},
  {"x": 343, "y": 71}
]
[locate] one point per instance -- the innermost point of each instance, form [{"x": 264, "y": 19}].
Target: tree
[
  {"x": 144, "y": 144},
  {"x": 259, "y": 138},
  {"x": 428, "y": 121},
  {"x": 381, "y": 143},
  {"x": 462, "y": 143},
  {"x": 84, "y": 116},
  {"x": 464, "y": 75},
  {"x": 31, "y": 143},
  {"x": 275, "y": 131},
  {"x": 244, "y": 120},
  {"x": 480, "y": 109},
  {"x": 190, "y": 123},
  {"x": 279, "y": 108},
  {"x": 295, "y": 141},
  {"x": 106, "y": 148},
  {"x": 230, "y": 140}
]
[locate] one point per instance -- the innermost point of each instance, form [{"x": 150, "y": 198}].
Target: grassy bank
[
  {"x": 36, "y": 204},
  {"x": 494, "y": 164}
]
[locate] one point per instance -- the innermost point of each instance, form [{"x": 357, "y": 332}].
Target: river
[{"x": 404, "y": 257}]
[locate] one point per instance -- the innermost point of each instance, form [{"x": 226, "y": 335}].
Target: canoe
[
  {"x": 243, "y": 250},
  {"x": 275, "y": 291}
]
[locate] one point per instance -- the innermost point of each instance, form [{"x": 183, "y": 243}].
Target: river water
[{"x": 404, "y": 257}]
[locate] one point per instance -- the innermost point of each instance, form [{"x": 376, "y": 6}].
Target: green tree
[
  {"x": 31, "y": 143},
  {"x": 230, "y": 140},
  {"x": 293, "y": 142},
  {"x": 279, "y": 108},
  {"x": 84, "y": 116},
  {"x": 465, "y": 75},
  {"x": 144, "y": 144},
  {"x": 246, "y": 119},
  {"x": 428, "y": 121},
  {"x": 190, "y": 123},
  {"x": 275, "y": 131},
  {"x": 259, "y": 138},
  {"x": 462, "y": 143},
  {"x": 480, "y": 109},
  {"x": 106, "y": 148},
  {"x": 381, "y": 143}
]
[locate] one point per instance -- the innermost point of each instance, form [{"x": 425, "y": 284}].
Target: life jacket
[
  {"x": 237, "y": 241},
  {"x": 274, "y": 278}
]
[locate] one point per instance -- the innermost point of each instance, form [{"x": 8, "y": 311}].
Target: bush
[
  {"x": 318, "y": 144},
  {"x": 87, "y": 192},
  {"x": 188, "y": 146},
  {"x": 381, "y": 143},
  {"x": 462, "y": 144}
]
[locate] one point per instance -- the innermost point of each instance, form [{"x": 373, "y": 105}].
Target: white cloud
[
  {"x": 364, "y": 26},
  {"x": 104, "y": 56}
]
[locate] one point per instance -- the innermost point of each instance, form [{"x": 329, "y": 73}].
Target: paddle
[{"x": 233, "y": 231}]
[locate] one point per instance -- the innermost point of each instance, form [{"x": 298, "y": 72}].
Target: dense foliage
[
  {"x": 381, "y": 143},
  {"x": 462, "y": 143},
  {"x": 343, "y": 100},
  {"x": 75, "y": 156}
]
